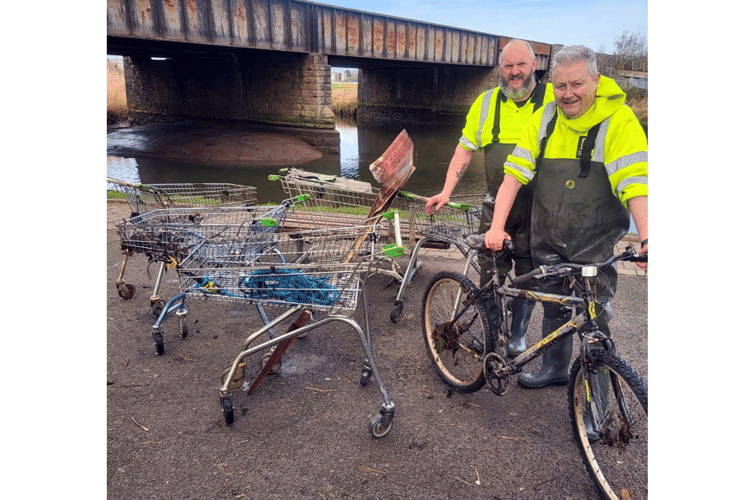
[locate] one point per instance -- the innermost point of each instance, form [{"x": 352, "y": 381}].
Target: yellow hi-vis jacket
[
  {"x": 479, "y": 123},
  {"x": 621, "y": 144}
]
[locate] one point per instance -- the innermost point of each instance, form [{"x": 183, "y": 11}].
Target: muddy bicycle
[{"x": 607, "y": 399}]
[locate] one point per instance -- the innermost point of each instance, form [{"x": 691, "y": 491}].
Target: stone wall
[
  {"x": 426, "y": 95},
  {"x": 266, "y": 87}
]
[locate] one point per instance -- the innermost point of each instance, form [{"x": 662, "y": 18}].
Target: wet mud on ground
[
  {"x": 213, "y": 145},
  {"x": 304, "y": 433}
]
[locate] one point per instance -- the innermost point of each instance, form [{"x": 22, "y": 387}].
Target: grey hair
[
  {"x": 573, "y": 54},
  {"x": 526, "y": 45}
]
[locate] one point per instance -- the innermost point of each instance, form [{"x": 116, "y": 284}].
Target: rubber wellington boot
[
  {"x": 555, "y": 369},
  {"x": 521, "y": 312}
]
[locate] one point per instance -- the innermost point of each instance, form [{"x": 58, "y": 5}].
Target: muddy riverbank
[{"x": 221, "y": 145}]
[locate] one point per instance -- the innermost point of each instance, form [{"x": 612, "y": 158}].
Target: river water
[{"x": 360, "y": 146}]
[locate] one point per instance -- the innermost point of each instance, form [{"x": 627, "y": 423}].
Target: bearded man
[{"x": 494, "y": 125}]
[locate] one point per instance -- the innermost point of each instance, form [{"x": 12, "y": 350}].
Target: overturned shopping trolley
[{"x": 318, "y": 270}]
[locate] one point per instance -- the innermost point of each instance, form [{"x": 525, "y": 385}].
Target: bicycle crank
[{"x": 494, "y": 370}]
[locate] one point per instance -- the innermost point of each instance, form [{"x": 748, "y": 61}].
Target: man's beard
[{"x": 527, "y": 87}]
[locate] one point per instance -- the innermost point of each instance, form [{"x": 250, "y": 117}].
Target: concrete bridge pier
[{"x": 285, "y": 89}]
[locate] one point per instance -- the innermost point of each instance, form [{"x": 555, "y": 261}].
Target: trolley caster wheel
[
  {"x": 159, "y": 342},
  {"x": 365, "y": 376},
  {"x": 396, "y": 312},
  {"x": 126, "y": 291},
  {"x": 157, "y": 306},
  {"x": 227, "y": 410},
  {"x": 381, "y": 424},
  {"x": 183, "y": 323}
]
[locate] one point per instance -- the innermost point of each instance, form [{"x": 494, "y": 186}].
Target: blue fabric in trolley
[
  {"x": 288, "y": 285},
  {"x": 281, "y": 285}
]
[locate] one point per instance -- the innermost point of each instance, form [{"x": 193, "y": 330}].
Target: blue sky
[{"x": 594, "y": 23}]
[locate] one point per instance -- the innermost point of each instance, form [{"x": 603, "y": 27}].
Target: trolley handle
[{"x": 464, "y": 207}]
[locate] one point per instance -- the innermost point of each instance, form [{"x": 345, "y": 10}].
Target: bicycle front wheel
[
  {"x": 615, "y": 447},
  {"x": 456, "y": 335}
]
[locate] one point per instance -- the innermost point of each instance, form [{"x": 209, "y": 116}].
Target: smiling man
[
  {"x": 588, "y": 154},
  {"x": 494, "y": 125}
]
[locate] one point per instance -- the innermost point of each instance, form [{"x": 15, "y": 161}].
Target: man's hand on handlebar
[
  {"x": 643, "y": 265},
  {"x": 495, "y": 239}
]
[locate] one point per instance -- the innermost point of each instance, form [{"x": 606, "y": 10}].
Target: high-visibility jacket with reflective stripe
[
  {"x": 621, "y": 144},
  {"x": 480, "y": 119}
]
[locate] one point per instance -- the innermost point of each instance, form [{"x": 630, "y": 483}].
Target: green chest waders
[
  {"x": 575, "y": 217},
  {"x": 517, "y": 226}
]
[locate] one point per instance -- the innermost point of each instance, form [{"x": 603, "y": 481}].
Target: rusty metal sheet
[
  {"x": 378, "y": 37},
  {"x": 340, "y": 32},
  {"x": 439, "y": 45},
  {"x": 391, "y": 40},
  {"x": 278, "y": 26},
  {"x": 367, "y": 48},
  {"x": 261, "y": 25},
  {"x": 239, "y": 22},
  {"x": 193, "y": 31},
  {"x": 221, "y": 22},
  {"x": 173, "y": 28},
  {"x": 325, "y": 21},
  {"x": 143, "y": 20},
  {"x": 353, "y": 36},
  {"x": 117, "y": 18},
  {"x": 420, "y": 44},
  {"x": 401, "y": 45}
]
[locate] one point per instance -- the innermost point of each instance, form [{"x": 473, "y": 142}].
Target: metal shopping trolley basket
[
  {"x": 168, "y": 235},
  {"x": 333, "y": 201},
  {"x": 447, "y": 226},
  {"x": 319, "y": 270},
  {"x": 142, "y": 198}
]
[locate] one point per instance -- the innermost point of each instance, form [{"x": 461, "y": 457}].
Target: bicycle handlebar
[{"x": 478, "y": 242}]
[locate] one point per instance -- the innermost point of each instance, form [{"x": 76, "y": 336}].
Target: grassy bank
[
  {"x": 117, "y": 106},
  {"x": 345, "y": 99}
]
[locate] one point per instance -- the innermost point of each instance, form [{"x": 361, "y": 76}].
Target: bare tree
[{"x": 631, "y": 51}]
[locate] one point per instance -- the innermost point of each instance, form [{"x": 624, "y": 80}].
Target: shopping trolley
[
  {"x": 445, "y": 227},
  {"x": 334, "y": 201},
  {"x": 319, "y": 270},
  {"x": 170, "y": 235},
  {"x": 144, "y": 198}
]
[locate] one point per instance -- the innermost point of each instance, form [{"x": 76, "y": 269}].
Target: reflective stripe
[
  {"x": 631, "y": 180},
  {"x": 485, "y": 106},
  {"x": 469, "y": 145},
  {"x": 599, "y": 154},
  {"x": 548, "y": 112},
  {"x": 521, "y": 171},
  {"x": 626, "y": 161},
  {"x": 523, "y": 153}
]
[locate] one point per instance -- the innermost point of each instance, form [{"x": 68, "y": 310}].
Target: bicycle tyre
[
  {"x": 457, "y": 350},
  {"x": 617, "y": 461}
]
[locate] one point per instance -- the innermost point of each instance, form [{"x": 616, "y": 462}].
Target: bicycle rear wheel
[
  {"x": 617, "y": 458},
  {"x": 456, "y": 347}
]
